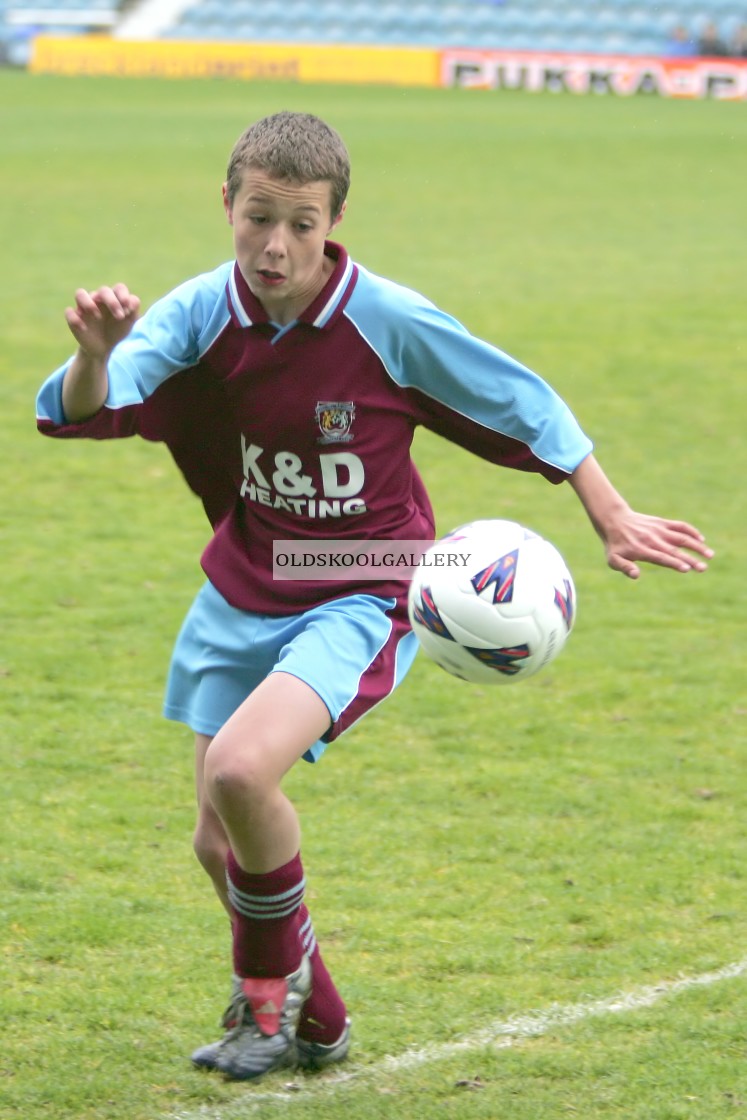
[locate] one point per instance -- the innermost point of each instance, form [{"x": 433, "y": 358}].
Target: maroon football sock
[
  {"x": 271, "y": 930},
  {"x": 323, "y": 1015},
  {"x": 265, "y": 918}
]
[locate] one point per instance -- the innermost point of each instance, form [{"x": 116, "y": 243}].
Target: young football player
[{"x": 287, "y": 384}]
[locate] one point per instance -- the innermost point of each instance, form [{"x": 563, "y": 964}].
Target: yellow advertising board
[{"x": 100, "y": 55}]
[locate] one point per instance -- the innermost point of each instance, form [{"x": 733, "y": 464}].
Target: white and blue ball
[{"x": 492, "y": 602}]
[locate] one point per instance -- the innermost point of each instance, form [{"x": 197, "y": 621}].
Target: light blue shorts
[{"x": 352, "y": 651}]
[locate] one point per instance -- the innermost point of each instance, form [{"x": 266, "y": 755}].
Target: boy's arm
[
  {"x": 98, "y": 322},
  {"x": 629, "y": 536}
]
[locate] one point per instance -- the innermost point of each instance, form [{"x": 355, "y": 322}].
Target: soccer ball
[{"x": 492, "y": 602}]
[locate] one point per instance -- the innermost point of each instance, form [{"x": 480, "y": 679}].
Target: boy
[{"x": 287, "y": 385}]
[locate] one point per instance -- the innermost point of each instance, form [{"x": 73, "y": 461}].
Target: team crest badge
[{"x": 335, "y": 419}]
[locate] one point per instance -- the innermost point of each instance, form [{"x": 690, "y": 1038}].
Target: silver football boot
[
  {"x": 260, "y": 1025},
  {"x": 318, "y": 1055}
]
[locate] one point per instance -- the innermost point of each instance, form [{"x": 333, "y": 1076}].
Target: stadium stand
[
  {"x": 622, "y": 26},
  {"x": 626, "y": 26},
  {"x": 20, "y": 22}
]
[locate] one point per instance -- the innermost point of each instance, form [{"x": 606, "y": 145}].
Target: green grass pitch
[{"x": 474, "y": 855}]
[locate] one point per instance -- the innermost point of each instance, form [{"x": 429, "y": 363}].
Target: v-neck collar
[{"x": 323, "y": 310}]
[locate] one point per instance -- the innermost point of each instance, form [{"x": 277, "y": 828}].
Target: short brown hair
[{"x": 296, "y": 146}]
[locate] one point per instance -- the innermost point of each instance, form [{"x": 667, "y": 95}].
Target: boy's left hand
[{"x": 639, "y": 536}]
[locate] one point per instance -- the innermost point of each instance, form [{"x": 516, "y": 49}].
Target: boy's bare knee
[
  {"x": 210, "y": 847},
  {"x": 235, "y": 773}
]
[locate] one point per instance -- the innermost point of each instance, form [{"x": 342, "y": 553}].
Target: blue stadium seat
[
  {"x": 615, "y": 42},
  {"x": 363, "y": 33},
  {"x": 574, "y": 21},
  {"x": 298, "y": 11},
  {"x": 269, "y": 10},
  {"x": 483, "y": 17},
  {"x": 587, "y": 43},
  {"x": 213, "y": 30},
  {"x": 529, "y": 20},
  {"x": 604, "y": 20},
  {"x": 647, "y": 44}
]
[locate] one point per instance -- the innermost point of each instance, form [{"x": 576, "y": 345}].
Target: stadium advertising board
[
  {"x": 532, "y": 71},
  {"x": 94, "y": 55},
  {"x": 620, "y": 75}
]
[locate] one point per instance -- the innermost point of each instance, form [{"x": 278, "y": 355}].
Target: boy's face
[{"x": 279, "y": 229}]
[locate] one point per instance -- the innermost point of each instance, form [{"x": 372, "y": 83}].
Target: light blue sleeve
[
  {"x": 425, "y": 349},
  {"x": 171, "y": 336}
]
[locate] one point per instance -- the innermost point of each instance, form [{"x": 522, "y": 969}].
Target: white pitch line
[{"x": 500, "y": 1034}]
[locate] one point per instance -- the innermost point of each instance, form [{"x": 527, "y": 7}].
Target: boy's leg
[
  {"x": 220, "y": 655},
  {"x": 210, "y": 840},
  {"x": 275, "y": 953},
  {"x": 323, "y": 1015},
  {"x": 248, "y": 759}
]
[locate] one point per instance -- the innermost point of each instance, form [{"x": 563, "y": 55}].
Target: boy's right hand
[{"x": 102, "y": 318}]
